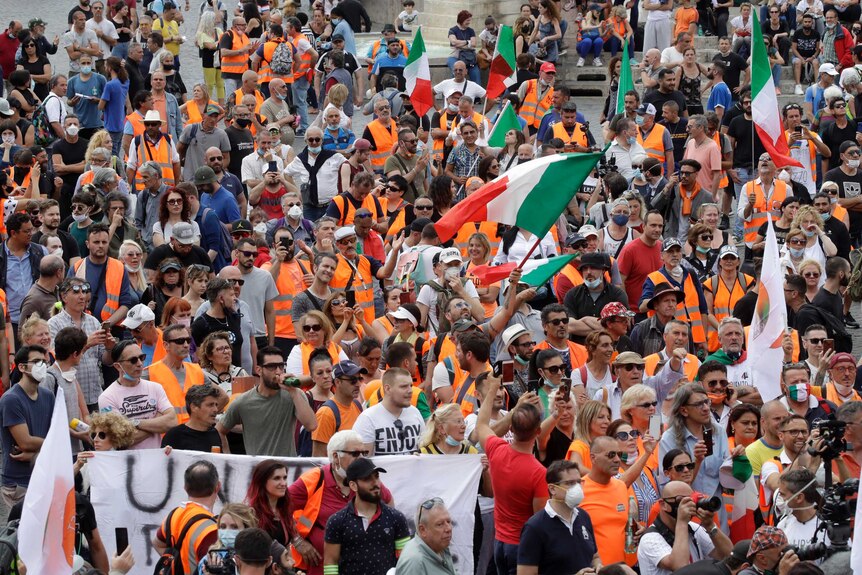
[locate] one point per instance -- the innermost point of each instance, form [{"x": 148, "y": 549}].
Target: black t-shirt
[
  {"x": 741, "y": 130},
  {"x": 657, "y": 98},
  {"x": 734, "y": 112},
  {"x": 806, "y": 43},
  {"x": 769, "y": 31},
  {"x": 196, "y": 256},
  {"x": 72, "y": 154},
  {"x": 206, "y": 324},
  {"x": 184, "y": 437},
  {"x": 350, "y": 63},
  {"x": 831, "y": 303},
  {"x": 734, "y": 65},
  {"x": 833, "y": 137},
  {"x": 744, "y": 308},
  {"x": 241, "y": 145},
  {"x": 848, "y": 187},
  {"x": 88, "y": 12},
  {"x": 678, "y": 136},
  {"x": 780, "y": 233},
  {"x": 837, "y": 232}
]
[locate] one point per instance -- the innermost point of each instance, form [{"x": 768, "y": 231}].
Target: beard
[{"x": 366, "y": 495}]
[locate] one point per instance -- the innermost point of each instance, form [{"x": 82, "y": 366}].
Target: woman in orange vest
[
  {"x": 479, "y": 252},
  {"x": 315, "y": 331},
  {"x": 350, "y": 322},
  {"x": 381, "y": 327},
  {"x": 838, "y": 212},
  {"x": 594, "y": 418},
  {"x": 194, "y": 108},
  {"x": 635, "y": 469}
]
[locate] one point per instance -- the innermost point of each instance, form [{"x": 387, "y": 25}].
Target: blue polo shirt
[
  {"x": 554, "y": 547},
  {"x": 383, "y": 60},
  {"x": 223, "y": 203},
  {"x": 367, "y": 550}
]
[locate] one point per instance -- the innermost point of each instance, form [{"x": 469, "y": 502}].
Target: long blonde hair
[{"x": 444, "y": 414}]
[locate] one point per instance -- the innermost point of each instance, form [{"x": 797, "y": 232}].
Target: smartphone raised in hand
[
  {"x": 121, "y": 535},
  {"x": 707, "y": 439}
]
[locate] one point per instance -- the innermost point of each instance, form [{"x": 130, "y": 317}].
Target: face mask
[
  {"x": 281, "y": 97},
  {"x": 133, "y": 270},
  {"x": 674, "y": 509},
  {"x": 314, "y": 149},
  {"x": 784, "y": 176},
  {"x": 260, "y": 228},
  {"x": 551, "y": 384},
  {"x": 809, "y": 233},
  {"x": 260, "y": 152},
  {"x": 86, "y": 70},
  {"x": 632, "y": 140},
  {"x": 70, "y": 374},
  {"x": 521, "y": 360},
  {"x": 593, "y": 284},
  {"x": 8, "y": 138},
  {"x": 833, "y": 200},
  {"x": 243, "y": 122},
  {"x": 227, "y": 537},
  {"x": 852, "y": 163},
  {"x": 637, "y": 174},
  {"x": 733, "y": 355},
  {"x": 574, "y": 496},
  {"x": 335, "y": 21},
  {"x": 620, "y": 219},
  {"x": 167, "y": 67},
  {"x": 39, "y": 371},
  {"x": 171, "y": 286},
  {"x": 452, "y": 442},
  {"x": 542, "y": 82},
  {"x": 295, "y": 212},
  {"x": 80, "y": 217},
  {"x": 717, "y": 398},
  {"x": 675, "y": 271},
  {"x": 452, "y": 107},
  {"x": 629, "y": 457},
  {"x": 73, "y": 130},
  {"x": 186, "y": 321},
  {"x": 639, "y": 120},
  {"x": 830, "y": 26},
  {"x": 451, "y": 273},
  {"x": 702, "y": 250},
  {"x": 796, "y": 253},
  {"x": 126, "y": 376},
  {"x": 825, "y": 217},
  {"x": 798, "y": 392}
]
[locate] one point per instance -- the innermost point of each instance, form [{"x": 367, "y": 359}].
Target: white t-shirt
[
  {"x": 376, "y": 426},
  {"x": 593, "y": 386},
  {"x": 107, "y": 28},
  {"x": 768, "y": 468},
  {"x": 55, "y": 109},
  {"x": 85, "y": 39},
  {"x": 653, "y": 548},
  {"x": 157, "y": 229},
  {"x": 144, "y": 401},
  {"x": 801, "y": 534},
  {"x": 671, "y": 55},
  {"x": 408, "y": 20},
  {"x": 656, "y": 15},
  {"x": 738, "y": 26},
  {"x": 467, "y": 88},
  {"x": 428, "y": 296},
  {"x": 814, "y": 6}
]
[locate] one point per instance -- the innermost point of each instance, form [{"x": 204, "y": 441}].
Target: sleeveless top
[{"x": 690, "y": 88}]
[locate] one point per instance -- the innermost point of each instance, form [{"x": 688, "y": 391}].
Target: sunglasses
[
  {"x": 418, "y": 207},
  {"x": 100, "y": 434},
  {"x": 700, "y": 404},
  {"x": 357, "y": 453},
  {"x": 722, "y": 383},
  {"x": 613, "y": 454},
  {"x": 247, "y": 254},
  {"x": 553, "y": 368},
  {"x": 79, "y": 288},
  {"x": 235, "y": 283},
  {"x": 631, "y": 366},
  {"x": 706, "y": 237},
  {"x": 309, "y": 328},
  {"x": 816, "y": 340},
  {"x": 428, "y": 505},
  {"x": 811, "y": 275},
  {"x": 797, "y": 242},
  {"x": 180, "y": 340},
  {"x": 558, "y": 321},
  {"x": 313, "y": 140},
  {"x": 338, "y": 302},
  {"x": 134, "y": 360},
  {"x": 272, "y": 365},
  {"x": 647, "y": 405},
  {"x": 683, "y": 467},
  {"x": 175, "y": 202},
  {"x": 626, "y": 435}
]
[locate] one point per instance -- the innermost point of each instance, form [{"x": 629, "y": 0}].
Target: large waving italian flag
[
  {"x": 764, "y": 102},
  {"x": 531, "y": 196},
  {"x": 417, "y": 74},
  {"x": 502, "y": 72}
]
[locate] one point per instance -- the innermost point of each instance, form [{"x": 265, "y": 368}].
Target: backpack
[
  {"x": 834, "y": 328},
  {"x": 336, "y": 412},
  {"x": 43, "y": 133},
  {"x": 9, "y": 548},
  {"x": 854, "y": 288},
  {"x": 170, "y": 563},
  {"x": 225, "y": 242},
  {"x": 282, "y": 59}
]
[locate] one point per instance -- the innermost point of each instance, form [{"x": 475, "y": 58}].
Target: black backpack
[
  {"x": 170, "y": 563},
  {"x": 9, "y": 548}
]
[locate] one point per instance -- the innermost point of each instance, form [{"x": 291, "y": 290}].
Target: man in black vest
[{"x": 315, "y": 172}]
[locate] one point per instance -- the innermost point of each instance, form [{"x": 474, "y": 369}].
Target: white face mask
[
  {"x": 574, "y": 496},
  {"x": 38, "y": 371},
  {"x": 58, "y": 252},
  {"x": 451, "y": 273},
  {"x": 853, "y": 163},
  {"x": 843, "y": 390},
  {"x": 295, "y": 212},
  {"x": 8, "y": 138},
  {"x": 784, "y": 176},
  {"x": 80, "y": 217},
  {"x": 134, "y": 270},
  {"x": 72, "y": 130},
  {"x": 70, "y": 374},
  {"x": 260, "y": 228}
]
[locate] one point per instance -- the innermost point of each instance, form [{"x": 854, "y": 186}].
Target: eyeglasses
[
  {"x": 631, "y": 366},
  {"x": 174, "y": 201},
  {"x": 180, "y": 340},
  {"x": 700, "y": 404},
  {"x": 350, "y": 380},
  {"x": 309, "y": 328},
  {"x": 839, "y": 105},
  {"x": 221, "y": 349},
  {"x": 553, "y": 368},
  {"x": 526, "y": 344},
  {"x": 797, "y": 242},
  {"x": 811, "y": 274},
  {"x": 795, "y": 432},
  {"x": 100, "y": 434},
  {"x": 626, "y": 435},
  {"x": 278, "y": 365},
  {"x": 79, "y": 208},
  {"x": 357, "y": 453},
  {"x": 853, "y": 153},
  {"x": 647, "y": 405},
  {"x": 248, "y": 255},
  {"x": 687, "y": 172},
  {"x": 313, "y": 140},
  {"x": 134, "y": 360},
  {"x": 79, "y": 288},
  {"x": 558, "y": 321},
  {"x": 683, "y": 467},
  {"x": 418, "y": 207}
]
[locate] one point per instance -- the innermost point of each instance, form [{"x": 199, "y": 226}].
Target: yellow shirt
[{"x": 168, "y": 30}]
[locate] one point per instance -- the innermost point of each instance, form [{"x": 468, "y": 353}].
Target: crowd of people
[{"x": 235, "y": 269}]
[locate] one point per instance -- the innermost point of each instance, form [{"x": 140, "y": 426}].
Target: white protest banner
[{"x": 137, "y": 490}]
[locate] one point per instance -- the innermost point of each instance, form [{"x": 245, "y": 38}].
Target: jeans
[
  {"x": 120, "y": 50},
  {"x": 776, "y": 75},
  {"x": 590, "y": 45},
  {"x": 615, "y": 46},
  {"x": 745, "y": 175},
  {"x": 312, "y": 212},
  {"x": 230, "y": 86},
  {"x": 472, "y": 73},
  {"x": 506, "y": 558},
  {"x": 117, "y": 143},
  {"x": 299, "y": 89}
]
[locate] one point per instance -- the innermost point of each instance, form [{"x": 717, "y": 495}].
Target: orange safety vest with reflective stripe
[
  {"x": 716, "y": 137},
  {"x": 577, "y": 352},
  {"x": 384, "y": 140},
  {"x": 259, "y": 99},
  {"x": 812, "y": 153},
  {"x": 723, "y": 301},
  {"x": 303, "y": 59},
  {"x": 348, "y": 212},
  {"x": 196, "y": 535},
  {"x": 264, "y": 72},
  {"x": 397, "y": 224},
  {"x": 689, "y": 369},
  {"x": 463, "y": 395},
  {"x": 653, "y": 143},
  {"x": 574, "y": 275},
  {"x": 838, "y": 212},
  {"x": 238, "y": 63},
  {"x": 832, "y": 394},
  {"x": 760, "y": 209},
  {"x": 11, "y": 172},
  {"x": 306, "y": 349},
  {"x": 375, "y": 49},
  {"x": 136, "y": 119},
  {"x": 306, "y": 518},
  {"x": 363, "y": 283},
  {"x": 766, "y": 506},
  {"x": 289, "y": 284},
  {"x": 532, "y": 109},
  {"x": 113, "y": 284},
  {"x": 194, "y": 113},
  {"x": 162, "y": 374},
  {"x": 438, "y": 144},
  {"x": 689, "y": 309},
  {"x": 160, "y": 153},
  {"x": 578, "y": 136},
  {"x": 489, "y": 229}
]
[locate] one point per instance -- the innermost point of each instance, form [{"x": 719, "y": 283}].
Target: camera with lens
[
  {"x": 813, "y": 552},
  {"x": 220, "y": 562},
  {"x": 606, "y": 166},
  {"x": 701, "y": 501},
  {"x": 832, "y": 434}
]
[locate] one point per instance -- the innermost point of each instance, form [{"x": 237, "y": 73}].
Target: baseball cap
[
  {"x": 670, "y": 243},
  {"x": 361, "y": 144},
  {"x": 5, "y": 108},
  {"x": 463, "y": 325},
  {"x": 588, "y": 230},
  {"x": 549, "y": 68},
  {"x": 205, "y": 175},
  {"x": 361, "y": 468},
  {"x": 168, "y": 266},
  {"x": 573, "y": 239},
  {"x": 241, "y": 226},
  {"x": 402, "y": 313},
  {"x": 629, "y": 358},
  {"x": 338, "y": 38},
  {"x": 615, "y": 309},
  {"x": 595, "y": 260},
  {"x": 347, "y": 369},
  {"x": 737, "y": 556},
  {"x": 344, "y": 232},
  {"x": 184, "y": 233},
  {"x": 841, "y": 358},
  {"x": 450, "y": 255},
  {"x": 727, "y": 250},
  {"x": 767, "y": 537},
  {"x": 512, "y": 333},
  {"x": 138, "y": 315},
  {"x": 828, "y": 68},
  {"x": 212, "y": 109},
  {"x": 646, "y": 110}
]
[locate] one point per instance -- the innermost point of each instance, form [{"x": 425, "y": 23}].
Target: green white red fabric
[
  {"x": 502, "y": 72},
  {"x": 417, "y": 74},
  {"x": 535, "y": 272},
  {"x": 507, "y": 120},
  {"x": 764, "y": 102},
  {"x": 531, "y": 196}
]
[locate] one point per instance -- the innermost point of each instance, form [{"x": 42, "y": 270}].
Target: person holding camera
[
  {"x": 768, "y": 553},
  {"x": 801, "y": 525},
  {"x": 674, "y": 540}
]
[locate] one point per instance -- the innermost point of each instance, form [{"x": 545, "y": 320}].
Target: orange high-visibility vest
[
  {"x": 689, "y": 369},
  {"x": 766, "y": 506},
  {"x": 716, "y": 137},
  {"x": 12, "y": 173},
  {"x": 577, "y": 353},
  {"x": 162, "y": 374},
  {"x": 160, "y": 153},
  {"x": 490, "y": 306},
  {"x": 136, "y": 119},
  {"x": 289, "y": 284},
  {"x": 194, "y": 113},
  {"x": 794, "y": 338},
  {"x": 723, "y": 301},
  {"x": 439, "y": 144},
  {"x": 578, "y": 135},
  {"x": 238, "y": 63},
  {"x": 195, "y": 536},
  {"x": 303, "y": 59},
  {"x": 532, "y": 109},
  {"x": 306, "y": 349},
  {"x": 384, "y": 139},
  {"x": 838, "y": 212},
  {"x": 264, "y": 72},
  {"x": 832, "y": 394},
  {"x": 348, "y": 212},
  {"x": 653, "y": 144},
  {"x": 375, "y": 49},
  {"x": 259, "y": 99},
  {"x": 363, "y": 283},
  {"x": 306, "y": 518},
  {"x": 113, "y": 284},
  {"x": 398, "y": 223},
  {"x": 689, "y": 309},
  {"x": 488, "y": 229},
  {"x": 760, "y": 209},
  {"x": 812, "y": 153}
]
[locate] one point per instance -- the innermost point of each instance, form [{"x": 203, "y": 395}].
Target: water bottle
[
  {"x": 78, "y": 425},
  {"x": 631, "y": 526}
]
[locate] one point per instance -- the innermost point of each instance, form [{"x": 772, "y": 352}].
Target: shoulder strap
[
  {"x": 186, "y": 528},
  {"x": 313, "y": 299},
  {"x": 604, "y": 394},
  {"x": 450, "y": 369},
  {"x": 438, "y": 345},
  {"x": 462, "y": 391},
  {"x": 583, "y": 371},
  {"x": 335, "y": 412},
  {"x": 357, "y": 404},
  {"x": 713, "y": 285}
]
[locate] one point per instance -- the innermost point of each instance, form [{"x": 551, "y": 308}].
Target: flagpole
[{"x": 530, "y": 253}]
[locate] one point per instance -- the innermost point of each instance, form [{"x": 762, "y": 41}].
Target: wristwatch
[{"x": 712, "y": 531}]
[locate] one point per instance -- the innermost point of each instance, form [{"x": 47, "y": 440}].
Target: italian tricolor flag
[
  {"x": 502, "y": 72},
  {"x": 535, "y": 272},
  {"x": 764, "y": 102},
  {"x": 531, "y": 196},
  {"x": 417, "y": 73}
]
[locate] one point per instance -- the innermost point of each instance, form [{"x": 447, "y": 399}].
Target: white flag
[
  {"x": 47, "y": 529},
  {"x": 765, "y": 354}
]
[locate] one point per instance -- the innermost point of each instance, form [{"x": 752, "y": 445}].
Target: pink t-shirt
[
  {"x": 143, "y": 401},
  {"x": 636, "y": 262},
  {"x": 709, "y": 156}
]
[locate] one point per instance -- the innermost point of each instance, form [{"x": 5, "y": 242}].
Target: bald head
[
  {"x": 230, "y": 273},
  {"x": 249, "y": 76},
  {"x": 212, "y": 152},
  {"x": 314, "y": 132},
  {"x": 51, "y": 266},
  {"x": 676, "y": 489},
  {"x": 276, "y": 84},
  {"x": 603, "y": 443}
]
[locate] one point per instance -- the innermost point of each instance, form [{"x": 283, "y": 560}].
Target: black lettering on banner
[
  {"x": 149, "y": 532},
  {"x": 130, "y": 484}
]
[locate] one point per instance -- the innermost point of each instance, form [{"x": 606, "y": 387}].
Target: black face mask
[
  {"x": 243, "y": 122},
  {"x": 674, "y": 509},
  {"x": 167, "y": 67}
]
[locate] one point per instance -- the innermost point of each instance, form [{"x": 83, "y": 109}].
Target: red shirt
[
  {"x": 513, "y": 500},
  {"x": 333, "y": 501},
  {"x": 636, "y": 262},
  {"x": 372, "y": 246},
  {"x": 7, "y": 53}
]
